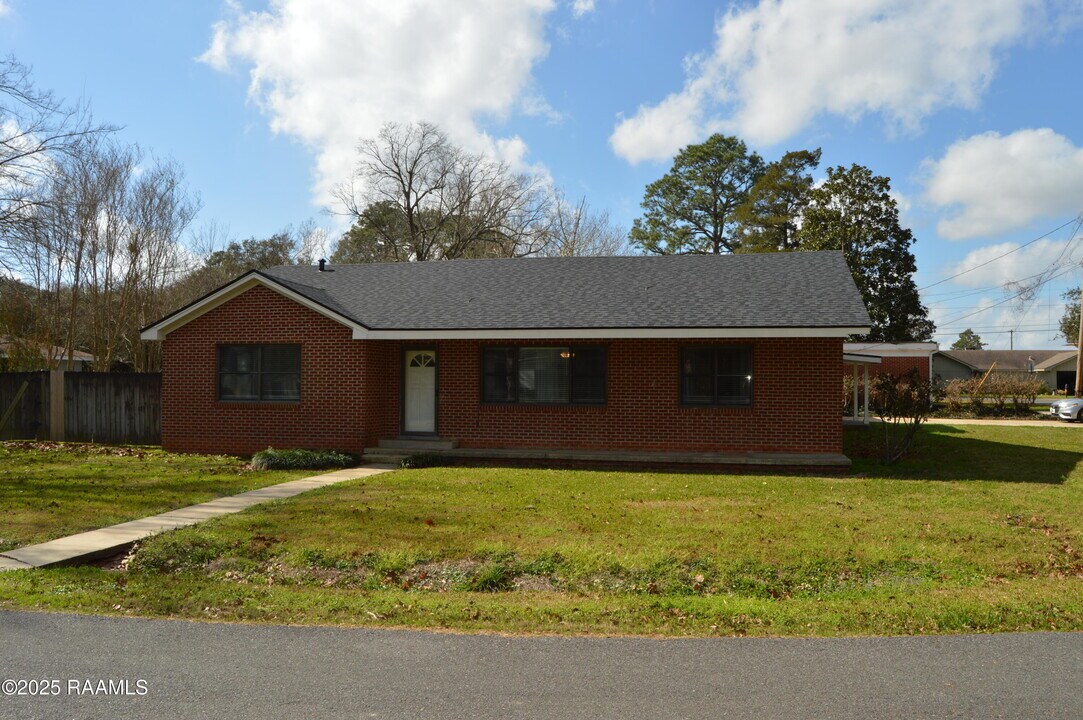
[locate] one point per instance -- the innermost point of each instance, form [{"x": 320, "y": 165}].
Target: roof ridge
[{"x": 575, "y": 258}]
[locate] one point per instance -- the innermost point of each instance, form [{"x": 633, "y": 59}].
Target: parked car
[{"x": 1069, "y": 409}]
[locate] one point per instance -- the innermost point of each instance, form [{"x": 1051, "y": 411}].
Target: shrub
[
  {"x": 954, "y": 394},
  {"x": 902, "y": 402},
  {"x": 423, "y": 460},
  {"x": 296, "y": 459},
  {"x": 993, "y": 396},
  {"x": 847, "y": 394},
  {"x": 1023, "y": 390}
]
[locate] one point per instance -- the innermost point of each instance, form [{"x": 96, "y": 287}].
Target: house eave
[
  {"x": 160, "y": 329},
  {"x": 607, "y": 333}
]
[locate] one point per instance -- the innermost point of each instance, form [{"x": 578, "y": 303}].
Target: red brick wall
[
  {"x": 350, "y": 393},
  {"x": 900, "y": 365},
  {"x": 334, "y": 371},
  {"x": 795, "y": 402}
]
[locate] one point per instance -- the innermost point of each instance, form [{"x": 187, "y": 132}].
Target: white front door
[{"x": 419, "y": 392}]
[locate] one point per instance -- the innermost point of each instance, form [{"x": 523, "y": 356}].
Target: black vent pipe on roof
[{"x": 323, "y": 264}]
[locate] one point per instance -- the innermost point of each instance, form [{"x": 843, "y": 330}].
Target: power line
[
  {"x": 984, "y": 331},
  {"x": 1009, "y": 298},
  {"x": 1077, "y": 219}
]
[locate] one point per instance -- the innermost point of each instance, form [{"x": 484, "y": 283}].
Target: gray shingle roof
[
  {"x": 1054, "y": 360},
  {"x": 785, "y": 290},
  {"x": 1006, "y": 360}
]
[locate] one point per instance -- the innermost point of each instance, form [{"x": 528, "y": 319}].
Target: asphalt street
[{"x": 193, "y": 670}]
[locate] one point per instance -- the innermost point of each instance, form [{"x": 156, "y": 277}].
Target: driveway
[{"x": 194, "y": 670}]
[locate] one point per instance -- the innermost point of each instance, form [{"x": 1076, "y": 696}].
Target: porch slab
[
  {"x": 108, "y": 541},
  {"x": 623, "y": 457}
]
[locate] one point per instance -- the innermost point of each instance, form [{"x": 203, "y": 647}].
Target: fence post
[{"x": 56, "y": 405}]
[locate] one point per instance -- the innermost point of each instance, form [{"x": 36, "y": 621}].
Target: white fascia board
[
  {"x": 921, "y": 349},
  {"x": 607, "y": 333},
  {"x": 159, "y": 330}
]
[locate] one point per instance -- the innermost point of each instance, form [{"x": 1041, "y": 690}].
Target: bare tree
[
  {"x": 575, "y": 230},
  {"x": 420, "y": 197},
  {"x": 102, "y": 246},
  {"x": 36, "y": 129}
]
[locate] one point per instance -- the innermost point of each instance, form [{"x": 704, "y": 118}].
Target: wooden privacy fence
[
  {"x": 82, "y": 406},
  {"x": 24, "y": 402}
]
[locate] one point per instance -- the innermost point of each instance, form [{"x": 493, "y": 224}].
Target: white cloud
[
  {"x": 5, "y": 8},
  {"x": 990, "y": 309},
  {"x": 1001, "y": 183},
  {"x": 332, "y": 73},
  {"x": 983, "y": 269},
  {"x": 582, "y": 7},
  {"x": 655, "y": 133},
  {"x": 777, "y": 65}
]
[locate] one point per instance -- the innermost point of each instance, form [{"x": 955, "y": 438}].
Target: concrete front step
[
  {"x": 418, "y": 444},
  {"x": 385, "y": 457},
  {"x": 803, "y": 461}
]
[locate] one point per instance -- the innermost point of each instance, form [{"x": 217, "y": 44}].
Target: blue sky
[{"x": 972, "y": 109}]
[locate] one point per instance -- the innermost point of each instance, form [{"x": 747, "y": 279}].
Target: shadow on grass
[{"x": 944, "y": 452}]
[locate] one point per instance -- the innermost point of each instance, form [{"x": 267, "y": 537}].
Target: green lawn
[
  {"x": 976, "y": 531},
  {"x": 48, "y": 490}
]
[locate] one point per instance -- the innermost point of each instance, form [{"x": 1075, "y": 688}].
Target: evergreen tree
[{"x": 853, "y": 211}]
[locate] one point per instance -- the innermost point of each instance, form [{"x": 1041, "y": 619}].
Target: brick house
[{"x": 680, "y": 359}]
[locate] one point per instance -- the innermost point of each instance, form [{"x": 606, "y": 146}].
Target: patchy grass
[
  {"x": 976, "y": 530},
  {"x": 48, "y": 490}
]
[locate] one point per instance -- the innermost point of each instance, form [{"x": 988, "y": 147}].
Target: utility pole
[
  {"x": 1079, "y": 353},
  {"x": 1011, "y": 339}
]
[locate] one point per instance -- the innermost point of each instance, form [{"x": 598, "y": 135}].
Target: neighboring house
[
  {"x": 1058, "y": 371},
  {"x": 689, "y": 354},
  {"x": 1055, "y": 368},
  {"x": 897, "y": 358},
  {"x": 52, "y": 357}
]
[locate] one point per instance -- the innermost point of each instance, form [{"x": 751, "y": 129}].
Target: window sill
[
  {"x": 517, "y": 405},
  {"x": 221, "y": 401}
]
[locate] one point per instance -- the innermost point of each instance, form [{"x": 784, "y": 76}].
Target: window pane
[
  {"x": 235, "y": 386},
  {"x": 734, "y": 390},
  {"x": 238, "y": 358},
  {"x": 543, "y": 374},
  {"x": 498, "y": 366},
  {"x": 697, "y": 376},
  {"x": 281, "y": 359},
  {"x": 281, "y": 386},
  {"x": 588, "y": 374},
  {"x": 734, "y": 361}
]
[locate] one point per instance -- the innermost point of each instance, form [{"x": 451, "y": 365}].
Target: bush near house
[{"x": 297, "y": 459}]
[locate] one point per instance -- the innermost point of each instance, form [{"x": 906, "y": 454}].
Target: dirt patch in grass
[{"x": 440, "y": 576}]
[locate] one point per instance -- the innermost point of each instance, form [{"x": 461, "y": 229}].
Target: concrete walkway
[
  {"x": 111, "y": 540},
  {"x": 1004, "y": 423}
]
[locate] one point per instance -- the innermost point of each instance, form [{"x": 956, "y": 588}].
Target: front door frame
[{"x": 402, "y": 391}]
